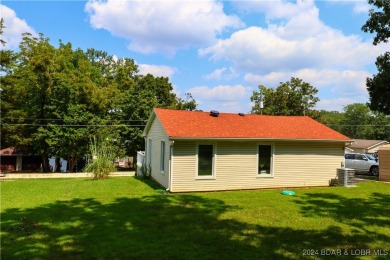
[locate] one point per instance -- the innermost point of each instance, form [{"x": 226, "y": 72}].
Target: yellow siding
[
  {"x": 296, "y": 164},
  {"x": 157, "y": 134}
]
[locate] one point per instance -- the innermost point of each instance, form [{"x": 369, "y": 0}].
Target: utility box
[
  {"x": 346, "y": 177},
  {"x": 384, "y": 162}
]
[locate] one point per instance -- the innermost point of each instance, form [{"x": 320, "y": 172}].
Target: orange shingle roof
[{"x": 192, "y": 124}]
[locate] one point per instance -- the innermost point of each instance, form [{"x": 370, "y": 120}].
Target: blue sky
[{"x": 219, "y": 51}]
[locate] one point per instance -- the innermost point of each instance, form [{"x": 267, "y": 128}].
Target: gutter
[{"x": 256, "y": 139}]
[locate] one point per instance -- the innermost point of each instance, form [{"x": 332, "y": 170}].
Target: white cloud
[
  {"x": 224, "y": 98},
  {"x": 255, "y": 49},
  {"x": 336, "y": 104},
  {"x": 161, "y": 26},
  {"x": 216, "y": 74},
  {"x": 300, "y": 41},
  {"x": 358, "y": 6},
  {"x": 14, "y": 27},
  {"x": 296, "y": 43},
  {"x": 223, "y": 73},
  {"x": 156, "y": 70},
  {"x": 276, "y": 9},
  {"x": 361, "y": 7},
  {"x": 347, "y": 83}
]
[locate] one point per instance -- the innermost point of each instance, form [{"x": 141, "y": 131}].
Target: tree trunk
[
  {"x": 45, "y": 163},
  {"x": 71, "y": 163},
  {"x": 58, "y": 165}
]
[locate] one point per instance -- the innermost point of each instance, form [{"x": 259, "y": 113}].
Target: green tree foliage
[
  {"x": 379, "y": 85},
  {"x": 6, "y": 56},
  {"x": 379, "y": 21},
  {"x": 290, "y": 98},
  {"x": 357, "y": 121},
  {"x": 186, "y": 103},
  {"x": 2, "y": 26},
  {"x": 333, "y": 119},
  {"x": 56, "y": 98}
]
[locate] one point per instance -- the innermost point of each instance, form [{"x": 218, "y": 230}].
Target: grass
[{"x": 121, "y": 218}]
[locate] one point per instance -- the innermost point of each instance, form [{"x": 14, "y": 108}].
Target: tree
[
  {"x": 379, "y": 21},
  {"x": 188, "y": 103},
  {"x": 379, "y": 85},
  {"x": 357, "y": 119},
  {"x": 333, "y": 119},
  {"x": 293, "y": 97},
  {"x": 57, "y": 98},
  {"x": 361, "y": 123}
]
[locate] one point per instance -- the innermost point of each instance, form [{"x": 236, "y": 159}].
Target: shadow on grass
[
  {"x": 166, "y": 227},
  {"x": 149, "y": 182},
  {"x": 365, "y": 217}
]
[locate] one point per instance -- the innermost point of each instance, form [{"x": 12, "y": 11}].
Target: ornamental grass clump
[{"x": 101, "y": 161}]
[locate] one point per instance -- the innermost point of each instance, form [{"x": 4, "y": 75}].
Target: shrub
[
  {"x": 146, "y": 170},
  {"x": 101, "y": 160}
]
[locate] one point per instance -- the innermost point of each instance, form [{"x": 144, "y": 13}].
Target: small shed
[{"x": 384, "y": 162}]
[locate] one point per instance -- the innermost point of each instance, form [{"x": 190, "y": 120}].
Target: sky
[{"x": 219, "y": 51}]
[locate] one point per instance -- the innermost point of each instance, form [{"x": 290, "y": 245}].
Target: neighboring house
[
  {"x": 366, "y": 146},
  {"x": 13, "y": 159},
  {"x": 200, "y": 151}
]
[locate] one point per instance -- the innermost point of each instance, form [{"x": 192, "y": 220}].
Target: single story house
[
  {"x": 366, "y": 146},
  {"x": 200, "y": 151},
  {"x": 13, "y": 159}
]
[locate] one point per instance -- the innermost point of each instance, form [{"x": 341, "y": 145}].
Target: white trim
[
  {"x": 208, "y": 177},
  {"x": 377, "y": 144},
  {"x": 152, "y": 116},
  {"x": 170, "y": 171},
  {"x": 211, "y": 139},
  {"x": 272, "y": 166},
  {"x": 162, "y": 156}
]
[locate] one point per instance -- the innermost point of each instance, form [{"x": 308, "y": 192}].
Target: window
[
  {"x": 162, "y": 157},
  {"x": 205, "y": 160},
  {"x": 349, "y": 156},
  {"x": 265, "y": 160},
  {"x": 360, "y": 157}
]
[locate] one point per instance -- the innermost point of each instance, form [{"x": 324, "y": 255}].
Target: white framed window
[
  {"x": 205, "y": 161},
  {"x": 265, "y": 156},
  {"x": 162, "y": 157}
]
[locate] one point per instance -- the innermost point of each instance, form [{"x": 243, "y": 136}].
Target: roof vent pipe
[{"x": 214, "y": 113}]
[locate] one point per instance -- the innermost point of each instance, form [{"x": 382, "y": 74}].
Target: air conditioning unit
[{"x": 346, "y": 177}]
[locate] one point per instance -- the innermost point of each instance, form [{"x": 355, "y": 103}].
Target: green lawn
[{"x": 121, "y": 218}]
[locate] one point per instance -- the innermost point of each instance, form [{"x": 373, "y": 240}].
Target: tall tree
[
  {"x": 333, "y": 119},
  {"x": 379, "y": 85},
  {"x": 379, "y": 21},
  {"x": 361, "y": 123},
  {"x": 29, "y": 92},
  {"x": 57, "y": 98},
  {"x": 294, "y": 97},
  {"x": 357, "y": 119}
]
